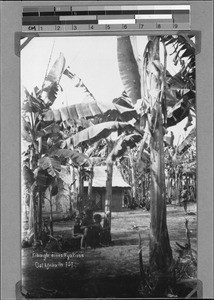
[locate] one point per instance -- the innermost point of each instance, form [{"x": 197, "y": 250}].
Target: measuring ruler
[{"x": 106, "y": 18}]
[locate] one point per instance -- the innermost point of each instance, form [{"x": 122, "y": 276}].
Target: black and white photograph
[{"x": 108, "y": 166}]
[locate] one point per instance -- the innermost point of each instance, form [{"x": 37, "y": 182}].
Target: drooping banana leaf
[
  {"x": 50, "y": 129},
  {"x": 86, "y": 110},
  {"x": 128, "y": 68},
  {"x": 181, "y": 109},
  {"x": 51, "y": 82},
  {"x": 49, "y": 164},
  {"x": 122, "y": 143},
  {"x": 31, "y": 103},
  {"x": 57, "y": 70},
  {"x": 98, "y": 131},
  {"x": 78, "y": 83},
  {"x": 79, "y": 159},
  {"x": 124, "y": 101},
  {"x": 186, "y": 144}
]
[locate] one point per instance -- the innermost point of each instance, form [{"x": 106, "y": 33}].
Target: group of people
[{"x": 90, "y": 230}]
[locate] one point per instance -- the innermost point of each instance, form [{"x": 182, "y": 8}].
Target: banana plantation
[{"x": 129, "y": 164}]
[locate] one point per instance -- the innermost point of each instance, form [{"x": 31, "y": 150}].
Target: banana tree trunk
[
  {"x": 51, "y": 215},
  {"x": 133, "y": 179},
  {"x": 40, "y": 214},
  {"x": 32, "y": 216},
  {"x": 160, "y": 250},
  {"x": 35, "y": 223},
  {"x": 90, "y": 183},
  {"x": 80, "y": 190},
  {"x": 108, "y": 201},
  {"x": 73, "y": 188}
]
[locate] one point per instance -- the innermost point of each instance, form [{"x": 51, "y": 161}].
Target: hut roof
[{"x": 99, "y": 179}]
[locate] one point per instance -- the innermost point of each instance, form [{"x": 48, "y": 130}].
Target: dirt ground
[{"x": 102, "y": 272}]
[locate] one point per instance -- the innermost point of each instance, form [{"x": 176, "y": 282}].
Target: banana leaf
[
  {"x": 128, "y": 68},
  {"x": 98, "y": 131},
  {"x": 57, "y": 70},
  {"x": 86, "y": 110},
  {"x": 121, "y": 145},
  {"x": 31, "y": 103},
  {"x": 79, "y": 159},
  {"x": 49, "y": 164},
  {"x": 187, "y": 143},
  {"x": 78, "y": 83}
]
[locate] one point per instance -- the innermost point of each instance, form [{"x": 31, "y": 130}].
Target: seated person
[
  {"x": 97, "y": 230},
  {"x": 106, "y": 235},
  {"x": 86, "y": 226},
  {"x": 77, "y": 227}
]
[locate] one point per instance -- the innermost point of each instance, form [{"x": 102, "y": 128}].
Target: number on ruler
[
  {"x": 57, "y": 27},
  {"x": 158, "y": 25},
  {"x": 91, "y": 27},
  {"x": 124, "y": 26},
  {"x": 40, "y": 28},
  {"x": 141, "y": 26},
  {"x": 32, "y": 27},
  {"x": 74, "y": 27},
  {"x": 108, "y": 27},
  {"x": 175, "y": 25}
]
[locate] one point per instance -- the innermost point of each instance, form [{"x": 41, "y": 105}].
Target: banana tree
[
  {"x": 163, "y": 100},
  {"x": 35, "y": 132},
  {"x": 180, "y": 161},
  {"x": 44, "y": 138},
  {"x": 115, "y": 149}
]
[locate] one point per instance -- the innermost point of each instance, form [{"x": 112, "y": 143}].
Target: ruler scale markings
[
  {"x": 80, "y": 27},
  {"x": 97, "y": 27},
  {"x": 47, "y": 28},
  {"x": 95, "y": 17}
]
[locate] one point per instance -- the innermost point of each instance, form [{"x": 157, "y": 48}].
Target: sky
[{"x": 93, "y": 59}]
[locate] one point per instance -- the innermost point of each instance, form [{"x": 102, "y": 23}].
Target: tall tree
[
  {"x": 160, "y": 250},
  {"x": 149, "y": 83}
]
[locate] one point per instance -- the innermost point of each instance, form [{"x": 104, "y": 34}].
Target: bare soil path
[{"x": 102, "y": 272}]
